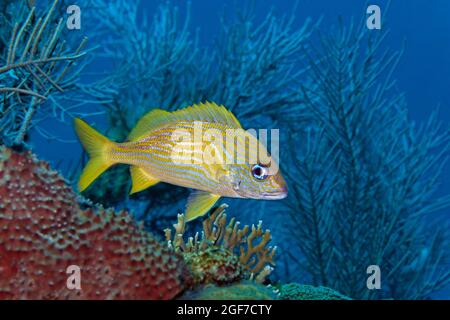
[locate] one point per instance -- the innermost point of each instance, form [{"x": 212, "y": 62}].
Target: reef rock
[
  {"x": 214, "y": 265},
  {"x": 296, "y": 291},
  {"x": 244, "y": 290},
  {"x": 43, "y": 231}
]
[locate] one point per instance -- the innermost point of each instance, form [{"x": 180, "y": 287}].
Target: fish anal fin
[
  {"x": 141, "y": 180},
  {"x": 199, "y": 203}
]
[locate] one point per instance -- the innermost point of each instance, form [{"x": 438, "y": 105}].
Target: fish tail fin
[{"x": 98, "y": 147}]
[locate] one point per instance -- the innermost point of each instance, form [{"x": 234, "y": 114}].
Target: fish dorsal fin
[
  {"x": 149, "y": 122},
  {"x": 141, "y": 180},
  {"x": 199, "y": 203},
  {"x": 208, "y": 111}
]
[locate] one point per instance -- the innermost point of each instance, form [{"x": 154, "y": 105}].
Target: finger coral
[
  {"x": 227, "y": 246},
  {"x": 44, "y": 231}
]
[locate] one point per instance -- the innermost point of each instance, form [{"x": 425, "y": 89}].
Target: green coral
[
  {"x": 245, "y": 290},
  {"x": 296, "y": 291},
  {"x": 251, "y": 290}
]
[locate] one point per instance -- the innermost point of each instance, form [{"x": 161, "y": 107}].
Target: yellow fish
[{"x": 202, "y": 147}]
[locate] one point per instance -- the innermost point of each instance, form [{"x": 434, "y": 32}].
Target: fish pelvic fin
[
  {"x": 97, "y": 146},
  {"x": 141, "y": 179},
  {"x": 199, "y": 203}
]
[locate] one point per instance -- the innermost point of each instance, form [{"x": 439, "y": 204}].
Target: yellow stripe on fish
[{"x": 202, "y": 147}]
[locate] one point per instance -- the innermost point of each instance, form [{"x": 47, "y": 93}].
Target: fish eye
[{"x": 259, "y": 172}]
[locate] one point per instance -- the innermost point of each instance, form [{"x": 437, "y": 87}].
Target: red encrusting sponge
[{"x": 43, "y": 231}]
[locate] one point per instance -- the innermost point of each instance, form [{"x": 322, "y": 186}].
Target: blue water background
[{"x": 423, "y": 73}]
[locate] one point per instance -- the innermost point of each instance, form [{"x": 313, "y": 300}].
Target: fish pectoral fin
[
  {"x": 141, "y": 180},
  {"x": 199, "y": 203}
]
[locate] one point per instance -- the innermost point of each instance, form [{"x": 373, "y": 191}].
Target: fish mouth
[{"x": 275, "y": 195}]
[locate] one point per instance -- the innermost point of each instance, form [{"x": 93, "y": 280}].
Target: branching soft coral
[
  {"x": 363, "y": 183},
  {"x": 155, "y": 61},
  {"x": 36, "y": 63},
  {"x": 256, "y": 67}
]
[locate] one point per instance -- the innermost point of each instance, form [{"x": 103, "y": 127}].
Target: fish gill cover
[{"x": 363, "y": 177}]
